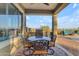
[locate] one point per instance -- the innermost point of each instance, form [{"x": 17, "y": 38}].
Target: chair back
[{"x": 40, "y": 44}]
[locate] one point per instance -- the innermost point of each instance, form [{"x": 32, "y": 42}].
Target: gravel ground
[{"x": 70, "y": 44}]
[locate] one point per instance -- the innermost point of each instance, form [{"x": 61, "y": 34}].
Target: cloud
[
  {"x": 27, "y": 17},
  {"x": 33, "y": 26},
  {"x": 42, "y": 24},
  {"x": 68, "y": 22},
  {"x": 74, "y": 5},
  {"x": 76, "y": 13},
  {"x": 63, "y": 19},
  {"x": 49, "y": 20},
  {"x": 41, "y": 21}
]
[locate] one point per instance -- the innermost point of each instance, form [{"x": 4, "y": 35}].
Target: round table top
[{"x": 34, "y": 38}]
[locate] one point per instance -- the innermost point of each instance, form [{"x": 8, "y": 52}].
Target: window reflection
[{"x": 10, "y": 21}]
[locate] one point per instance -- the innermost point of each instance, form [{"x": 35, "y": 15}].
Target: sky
[
  {"x": 36, "y": 21},
  {"x": 68, "y": 18}
]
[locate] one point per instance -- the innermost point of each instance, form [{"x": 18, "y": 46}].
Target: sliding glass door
[{"x": 10, "y": 25}]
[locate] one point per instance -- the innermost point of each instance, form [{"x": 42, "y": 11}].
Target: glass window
[
  {"x": 2, "y": 8},
  {"x": 10, "y": 21}
]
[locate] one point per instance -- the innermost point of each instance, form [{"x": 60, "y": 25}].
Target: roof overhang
[
  {"x": 20, "y": 8},
  {"x": 40, "y": 8}
]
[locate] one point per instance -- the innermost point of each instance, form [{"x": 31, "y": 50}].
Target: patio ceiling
[
  {"x": 39, "y": 6},
  {"x": 42, "y": 7}
]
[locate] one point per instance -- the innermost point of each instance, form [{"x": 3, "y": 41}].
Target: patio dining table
[{"x": 40, "y": 45}]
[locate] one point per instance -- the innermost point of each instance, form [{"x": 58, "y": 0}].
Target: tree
[{"x": 45, "y": 28}]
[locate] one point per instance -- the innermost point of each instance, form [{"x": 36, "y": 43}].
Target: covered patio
[
  {"x": 42, "y": 9},
  {"x": 19, "y": 43}
]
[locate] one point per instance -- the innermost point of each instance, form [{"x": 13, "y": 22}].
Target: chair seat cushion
[{"x": 40, "y": 52}]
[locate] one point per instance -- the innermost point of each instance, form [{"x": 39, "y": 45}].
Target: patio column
[
  {"x": 24, "y": 24},
  {"x": 54, "y": 26}
]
